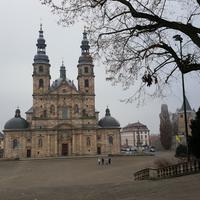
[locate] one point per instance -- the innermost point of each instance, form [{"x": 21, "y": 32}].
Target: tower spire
[
  {"x": 41, "y": 56},
  {"x": 85, "y": 43},
  {"x": 62, "y": 71}
]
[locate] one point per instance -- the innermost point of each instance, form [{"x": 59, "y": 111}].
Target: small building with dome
[{"x": 62, "y": 120}]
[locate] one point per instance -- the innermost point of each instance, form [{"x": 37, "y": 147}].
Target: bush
[{"x": 181, "y": 151}]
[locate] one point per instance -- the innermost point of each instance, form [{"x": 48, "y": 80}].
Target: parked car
[
  {"x": 152, "y": 149},
  {"x": 134, "y": 149}
]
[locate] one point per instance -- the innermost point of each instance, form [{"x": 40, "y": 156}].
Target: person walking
[
  {"x": 109, "y": 160},
  {"x": 102, "y": 161},
  {"x": 99, "y": 160}
]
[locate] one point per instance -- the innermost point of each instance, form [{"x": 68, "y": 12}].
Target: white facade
[{"x": 134, "y": 135}]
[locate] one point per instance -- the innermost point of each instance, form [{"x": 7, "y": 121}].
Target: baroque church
[{"x": 62, "y": 120}]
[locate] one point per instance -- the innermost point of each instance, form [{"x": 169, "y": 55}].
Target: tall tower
[
  {"x": 86, "y": 77},
  {"x": 85, "y": 68},
  {"x": 41, "y": 74},
  {"x": 181, "y": 119}
]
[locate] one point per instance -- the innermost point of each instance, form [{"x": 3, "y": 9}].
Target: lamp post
[{"x": 180, "y": 39}]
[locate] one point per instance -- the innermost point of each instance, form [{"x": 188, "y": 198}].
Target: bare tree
[
  {"x": 134, "y": 37},
  {"x": 165, "y": 128}
]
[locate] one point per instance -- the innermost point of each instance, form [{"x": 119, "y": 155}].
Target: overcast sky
[{"x": 20, "y": 22}]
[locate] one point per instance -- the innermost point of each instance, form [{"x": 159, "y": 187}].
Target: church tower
[
  {"x": 86, "y": 78},
  {"x": 85, "y": 68},
  {"x": 41, "y": 74}
]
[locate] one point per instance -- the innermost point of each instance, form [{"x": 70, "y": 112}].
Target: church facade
[{"x": 62, "y": 120}]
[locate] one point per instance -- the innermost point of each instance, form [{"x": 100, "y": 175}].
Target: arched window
[
  {"x": 88, "y": 141},
  {"x": 40, "y": 143},
  {"x": 41, "y": 83},
  {"x": 76, "y": 108},
  {"x": 86, "y": 83},
  {"x": 41, "y": 69},
  {"x": 52, "y": 109},
  {"x": 110, "y": 139},
  {"x": 86, "y": 69},
  {"x": 65, "y": 113},
  {"x": 15, "y": 144}
]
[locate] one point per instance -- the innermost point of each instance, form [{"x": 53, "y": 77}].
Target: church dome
[
  {"x": 108, "y": 121},
  {"x": 41, "y": 58},
  {"x": 16, "y": 122}
]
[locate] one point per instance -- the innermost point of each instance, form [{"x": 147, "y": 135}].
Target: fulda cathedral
[{"x": 62, "y": 120}]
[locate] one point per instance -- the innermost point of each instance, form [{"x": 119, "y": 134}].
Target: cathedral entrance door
[
  {"x": 64, "y": 149},
  {"x": 98, "y": 150},
  {"x": 28, "y": 153}
]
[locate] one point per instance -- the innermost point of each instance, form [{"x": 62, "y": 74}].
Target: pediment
[{"x": 65, "y": 88}]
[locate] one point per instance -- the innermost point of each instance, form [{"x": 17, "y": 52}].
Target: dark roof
[
  {"x": 30, "y": 110},
  {"x": 136, "y": 125},
  {"x": 85, "y": 58},
  {"x": 1, "y": 135},
  {"x": 188, "y": 107},
  {"x": 16, "y": 122},
  {"x": 60, "y": 81},
  {"x": 108, "y": 121}
]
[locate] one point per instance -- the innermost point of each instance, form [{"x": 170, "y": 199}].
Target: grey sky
[{"x": 20, "y": 22}]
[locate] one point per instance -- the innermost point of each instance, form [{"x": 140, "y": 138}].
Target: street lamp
[{"x": 180, "y": 39}]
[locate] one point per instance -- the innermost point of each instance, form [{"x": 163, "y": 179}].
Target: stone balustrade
[{"x": 179, "y": 169}]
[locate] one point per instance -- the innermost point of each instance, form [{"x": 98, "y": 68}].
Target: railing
[{"x": 169, "y": 171}]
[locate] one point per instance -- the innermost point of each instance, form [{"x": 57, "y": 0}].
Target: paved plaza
[{"x": 83, "y": 179}]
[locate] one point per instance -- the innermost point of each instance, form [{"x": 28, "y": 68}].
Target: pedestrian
[
  {"x": 106, "y": 161},
  {"x": 102, "y": 161},
  {"x": 109, "y": 160},
  {"x": 99, "y": 161}
]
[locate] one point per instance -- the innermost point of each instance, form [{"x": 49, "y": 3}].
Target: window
[
  {"x": 86, "y": 69},
  {"x": 88, "y": 141},
  {"x": 44, "y": 113},
  {"x": 15, "y": 144},
  {"x": 40, "y": 142},
  {"x": 126, "y": 142},
  {"x": 29, "y": 140},
  {"x": 98, "y": 137},
  {"x": 41, "y": 69},
  {"x": 86, "y": 83},
  {"x": 181, "y": 116},
  {"x": 84, "y": 112},
  {"x": 64, "y": 113},
  {"x": 76, "y": 108},
  {"x": 110, "y": 139},
  {"x": 52, "y": 109},
  {"x": 41, "y": 83}
]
